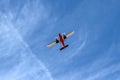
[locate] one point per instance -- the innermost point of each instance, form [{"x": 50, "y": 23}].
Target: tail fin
[{"x": 64, "y": 47}]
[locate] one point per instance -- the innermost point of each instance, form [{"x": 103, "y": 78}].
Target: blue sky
[{"x": 27, "y": 26}]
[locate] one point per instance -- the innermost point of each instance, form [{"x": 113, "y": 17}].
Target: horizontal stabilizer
[{"x": 64, "y": 47}]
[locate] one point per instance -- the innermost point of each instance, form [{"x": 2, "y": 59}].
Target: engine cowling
[
  {"x": 64, "y": 36},
  {"x": 57, "y": 41}
]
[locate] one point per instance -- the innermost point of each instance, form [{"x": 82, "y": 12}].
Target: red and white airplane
[{"x": 61, "y": 39}]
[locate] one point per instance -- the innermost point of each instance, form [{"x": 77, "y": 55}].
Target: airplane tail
[{"x": 64, "y": 47}]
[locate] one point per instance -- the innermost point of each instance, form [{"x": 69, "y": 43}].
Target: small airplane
[{"x": 61, "y": 38}]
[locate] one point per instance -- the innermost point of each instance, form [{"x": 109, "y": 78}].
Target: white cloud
[
  {"x": 25, "y": 65},
  {"x": 104, "y": 72}
]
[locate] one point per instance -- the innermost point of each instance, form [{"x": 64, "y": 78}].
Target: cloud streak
[{"x": 25, "y": 66}]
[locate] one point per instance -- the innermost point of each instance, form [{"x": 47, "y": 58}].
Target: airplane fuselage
[{"x": 61, "y": 40}]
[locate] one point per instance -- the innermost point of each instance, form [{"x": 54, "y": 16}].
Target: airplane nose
[{"x": 59, "y": 33}]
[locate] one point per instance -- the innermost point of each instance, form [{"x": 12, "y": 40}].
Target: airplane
[{"x": 61, "y": 38}]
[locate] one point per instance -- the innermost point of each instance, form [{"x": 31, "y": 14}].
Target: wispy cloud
[
  {"x": 104, "y": 72},
  {"x": 80, "y": 42},
  {"x": 101, "y": 68},
  {"x": 25, "y": 65}
]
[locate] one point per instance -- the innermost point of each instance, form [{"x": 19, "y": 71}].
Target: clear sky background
[{"x": 27, "y": 26}]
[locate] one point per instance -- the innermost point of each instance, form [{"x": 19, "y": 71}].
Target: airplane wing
[
  {"x": 69, "y": 34},
  {"x": 57, "y": 41},
  {"x": 51, "y": 44}
]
